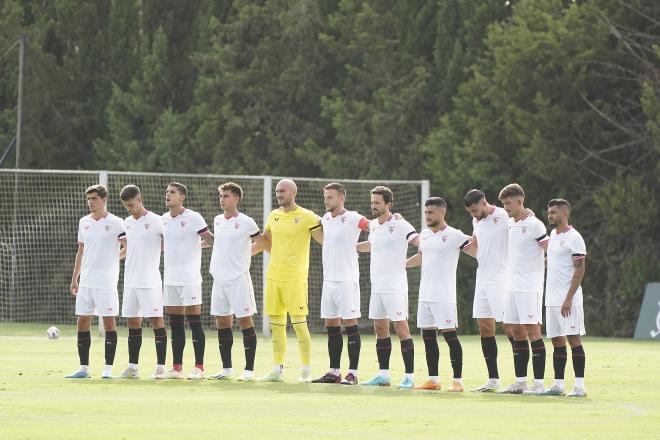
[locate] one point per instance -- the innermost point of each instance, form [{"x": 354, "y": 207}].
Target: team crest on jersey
[
  {"x": 236, "y": 226},
  {"x": 146, "y": 226},
  {"x": 296, "y": 220},
  {"x": 495, "y": 220},
  {"x": 183, "y": 224},
  {"x": 444, "y": 238},
  {"x": 524, "y": 229},
  {"x": 108, "y": 227},
  {"x": 391, "y": 228}
]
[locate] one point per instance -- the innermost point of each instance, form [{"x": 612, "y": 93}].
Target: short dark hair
[
  {"x": 99, "y": 189},
  {"x": 436, "y": 201},
  {"x": 388, "y": 195},
  {"x": 559, "y": 202},
  {"x": 129, "y": 192},
  {"x": 180, "y": 187},
  {"x": 337, "y": 187},
  {"x": 473, "y": 196},
  {"x": 232, "y": 187},
  {"x": 511, "y": 190}
]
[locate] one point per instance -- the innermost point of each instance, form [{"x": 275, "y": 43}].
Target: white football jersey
[
  {"x": 144, "y": 237},
  {"x": 100, "y": 260},
  {"x": 183, "y": 248},
  {"x": 389, "y": 249},
  {"x": 492, "y": 234},
  {"x": 232, "y": 246},
  {"x": 526, "y": 262},
  {"x": 563, "y": 249},
  {"x": 340, "y": 235},
  {"x": 440, "y": 251}
]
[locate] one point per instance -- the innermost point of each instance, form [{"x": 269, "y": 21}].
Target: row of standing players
[{"x": 509, "y": 244}]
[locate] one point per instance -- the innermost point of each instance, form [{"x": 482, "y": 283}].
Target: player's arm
[
  {"x": 470, "y": 247},
  {"x": 207, "y": 237},
  {"x": 415, "y": 260},
  {"x": 317, "y": 234},
  {"x": 266, "y": 243},
  {"x": 123, "y": 250},
  {"x": 76, "y": 269},
  {"x": 363, "y": 246},
  {"x": 259, "y": 243},
  {"x": 576, "y": 280}
]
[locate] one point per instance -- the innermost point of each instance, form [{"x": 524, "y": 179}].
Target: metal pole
[
  {"x": 268, "y": 206},
  {"x": 19, "y": 126},
  {"x": 19, "y": 116},
  {"x": 103, "y": 180},
  {"x": 426, "y": 193}
]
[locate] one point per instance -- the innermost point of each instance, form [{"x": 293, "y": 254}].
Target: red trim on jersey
[
  {"x": 525, "y": 215},
  {"x": 386, "y": 220},
  {"x": 102, "y": 217},
  {"x": 491, "y": 210},
  {"x": 341, "y": 213},
  {"x": 579, "y": 257},
  {"x": 563, "y": 232},
  {"x": 179, "y": 213},
  {"x": 231, "y": 216},
  {"x": 363, "y": 224}
]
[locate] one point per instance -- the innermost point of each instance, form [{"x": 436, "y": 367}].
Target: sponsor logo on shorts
[
  {"x": 156, "y": 309},
  {"x": 301, "y": 307},
  {"x": 246, "y": 308},
  {"x": 194, "y": 297},
  {"x": 399, "y": 313},
  {"x": 531, "y": 316},
  {"x": 353, "y": 311},
  {"x": 109, "y": 309},
  {"x": 572, "y": 326}
]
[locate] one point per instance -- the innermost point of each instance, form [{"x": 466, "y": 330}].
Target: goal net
[{"x": 40, "y": 209}]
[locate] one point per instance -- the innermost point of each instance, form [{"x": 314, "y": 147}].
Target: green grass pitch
[{"x": 36, "y": 402}]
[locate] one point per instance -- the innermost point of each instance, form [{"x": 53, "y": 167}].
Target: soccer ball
[{"x": 53, "y": 332}]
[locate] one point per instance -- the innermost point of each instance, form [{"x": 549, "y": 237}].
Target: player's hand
[
  {"x": 566, "y": 307},
  {"x": 74, "y": 288}
]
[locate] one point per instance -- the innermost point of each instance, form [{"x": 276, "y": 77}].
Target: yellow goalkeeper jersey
[{"x": 290, "y": 234}]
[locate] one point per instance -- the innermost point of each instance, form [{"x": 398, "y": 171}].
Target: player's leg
[
  {"x": 134, "y": 344},
  {"x": 576, "y": 329},
  {"x": 556, "y": 331},
  {"x": 407, "y": 351},
  {"x": 276, "y": 311},
  {"x": 246, "y": 325},
  {"x": 83, "y": 343},
  {"x": 84, "y": 310},
  {"x": 223, "y": 312},
  {"x": 173, "y": 305},
  {"x": 426, "y": 321},
  {"x": 483, "y": 310},
  {"x": 512, "y": 318},
  {"x": 446, "y": 316},
  {"x": 225, "y": 343},
  {"x": 533, "y": 331},
  {"x": 241, "y": 296},
  {"x": 295, "y": 299},
  {"x": 107, "y": 303},
  {"x": 131, "y": 310},
  {"x": 381, "y": 321},
  {"x": 160, "y": 342},
  {"x": 350, "y": 313},
  {"x": 194, "y": 317},
  {"x": 354, "y": 343},
  {"x": 330, "y": 297}
]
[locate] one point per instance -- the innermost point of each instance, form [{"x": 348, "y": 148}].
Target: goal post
[{"x": 38, "y": 228}]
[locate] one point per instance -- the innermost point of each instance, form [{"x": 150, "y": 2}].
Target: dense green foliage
[{"x": 560, "y": 96}]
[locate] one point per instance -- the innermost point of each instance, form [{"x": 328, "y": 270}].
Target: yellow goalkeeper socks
[
  {"x": 299, "y": 324},
  {"x": 278, "y": 330}
]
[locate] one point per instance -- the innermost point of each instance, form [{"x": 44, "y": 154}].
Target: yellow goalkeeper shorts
[{"x": 286, "y": 296}]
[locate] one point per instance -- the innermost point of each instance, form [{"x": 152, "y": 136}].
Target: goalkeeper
[{"x": 288, "y": 232}]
